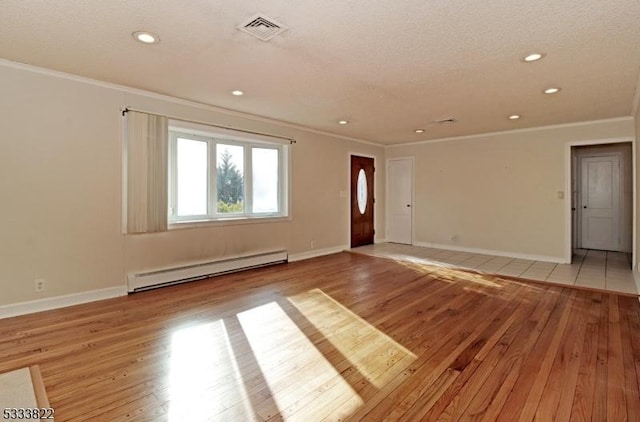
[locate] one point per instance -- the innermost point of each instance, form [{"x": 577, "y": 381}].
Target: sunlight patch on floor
[
  {"x": 292, "y": 365},
  {"x": 307, "y": 345},
  {"x": 204, "y": 379},
  {"x": 602, "y": 270},
  {"x": 445, "y": 272},
  {"x": 371, "y": 352}
]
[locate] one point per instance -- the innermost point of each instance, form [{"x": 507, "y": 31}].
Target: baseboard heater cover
[{"x": 153, "y": 279}]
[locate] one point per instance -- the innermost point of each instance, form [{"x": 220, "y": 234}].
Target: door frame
[
  {"x": 413, "y": 194},
  {"x": 567, "y": 193},
  {"x": 376, "y": 197}
]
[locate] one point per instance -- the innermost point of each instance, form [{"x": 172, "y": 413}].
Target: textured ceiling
[{"x": 386, "y": 67}]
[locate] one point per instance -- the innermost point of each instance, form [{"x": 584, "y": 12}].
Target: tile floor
[{"x": 594, "y": 269}]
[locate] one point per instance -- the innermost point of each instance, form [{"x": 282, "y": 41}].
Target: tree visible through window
[
  {"x": 213, "y": 178},
  {"x": 230, "y": 180}
]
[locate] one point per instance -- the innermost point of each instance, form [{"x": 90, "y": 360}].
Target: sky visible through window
[
  {"x": 265, "y": 180},
  {"x": 192, "y": 177}
]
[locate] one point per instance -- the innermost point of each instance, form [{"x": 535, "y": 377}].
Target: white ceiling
[{"x": 388, "y": 67}]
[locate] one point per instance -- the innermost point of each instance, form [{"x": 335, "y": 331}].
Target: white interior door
[
  {"x": 600, "y": 202},
  {"x": 400, "y": 200}
]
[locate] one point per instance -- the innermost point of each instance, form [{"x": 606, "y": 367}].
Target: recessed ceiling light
[
  {"x": 533, "y": 57},
  {"x": 343, "y": 122},
  {"x": 237, "y": 93},
  {"x": 146, "y": 37},
  {"x": 419, "y": 131},
  {"x": 551, "y": 90},
  {"x": 514, "y": 117}
]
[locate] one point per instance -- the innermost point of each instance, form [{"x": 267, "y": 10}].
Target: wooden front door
[{"x": 362, "y": 200}]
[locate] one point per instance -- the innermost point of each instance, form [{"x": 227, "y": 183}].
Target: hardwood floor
[{"x": 340, "y": 337}]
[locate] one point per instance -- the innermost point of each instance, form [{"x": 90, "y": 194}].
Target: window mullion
[
  {"x": 283, "y": 179},
  {"x": 248, "y": 180},
  {"x": 212, "y": 179},
  {"x": 280, "y": 182}
]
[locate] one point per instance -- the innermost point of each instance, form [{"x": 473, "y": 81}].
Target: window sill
[{"x": 179, "y": 225}]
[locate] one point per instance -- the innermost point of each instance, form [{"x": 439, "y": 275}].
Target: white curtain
[{"x": 146, "y": 172}]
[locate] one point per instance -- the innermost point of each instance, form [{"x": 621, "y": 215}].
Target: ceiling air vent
[
  {"x": 448, "y": 121},
  {"x": 262, "y": 27}
]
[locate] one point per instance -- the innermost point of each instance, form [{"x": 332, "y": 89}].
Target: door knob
[
  {"x": 584, "y": 206},
  {"x": 408, "y": 205}
]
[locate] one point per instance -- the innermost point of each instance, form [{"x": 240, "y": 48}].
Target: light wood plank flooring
[{"x": 342, "y": 337}]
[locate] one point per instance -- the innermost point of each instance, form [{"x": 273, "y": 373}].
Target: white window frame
[{"x": 213, "y": 139}]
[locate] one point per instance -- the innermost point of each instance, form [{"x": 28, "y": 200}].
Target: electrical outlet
[{"x": 40, "y": 285}]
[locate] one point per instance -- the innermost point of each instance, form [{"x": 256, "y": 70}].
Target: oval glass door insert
[{"x": 362, "y": 191}]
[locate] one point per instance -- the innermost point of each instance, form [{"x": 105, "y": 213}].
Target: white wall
[
  {"x": 60, "y": 183},
  {"x": 498, "y": 192},
  {"x": 636, "y": 119}
]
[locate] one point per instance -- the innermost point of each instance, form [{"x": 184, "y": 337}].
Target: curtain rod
[{"x": 286, "y": 138}]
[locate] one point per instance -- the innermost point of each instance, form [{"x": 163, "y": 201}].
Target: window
[{"x": 217, "y": 174}]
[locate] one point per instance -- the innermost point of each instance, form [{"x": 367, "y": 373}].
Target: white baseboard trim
[
  {"x": 316, "y": 253},
  {"x": 380, "y": 241},
  {"x": 23, "y": 308},
  {"x": 515, "y": 255}
]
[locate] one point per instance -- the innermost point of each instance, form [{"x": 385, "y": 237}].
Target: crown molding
[
  {"x": 512, "y": 131},
  {"x": 174, "y": 100},
  {"x": 257, "y": 118}
]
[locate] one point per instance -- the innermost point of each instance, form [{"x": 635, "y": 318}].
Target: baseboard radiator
[{"x": 153, "y": 279}]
